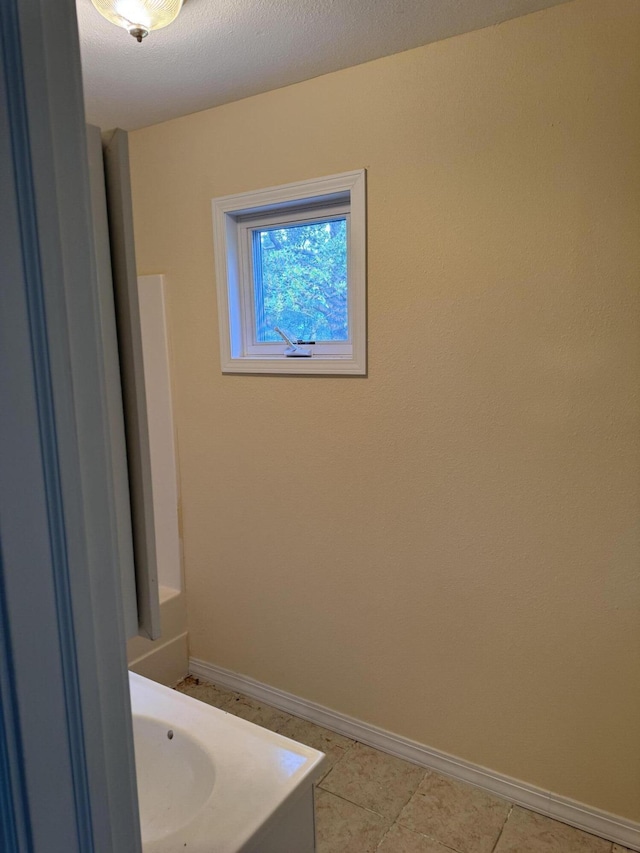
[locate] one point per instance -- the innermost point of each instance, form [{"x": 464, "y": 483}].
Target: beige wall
[{"x": 448, "y": 548}]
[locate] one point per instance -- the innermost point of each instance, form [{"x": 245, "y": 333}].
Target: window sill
[{"x": 314, "y": 366}]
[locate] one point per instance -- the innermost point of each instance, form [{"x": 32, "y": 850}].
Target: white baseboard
[{"x": 609, "y": 826}]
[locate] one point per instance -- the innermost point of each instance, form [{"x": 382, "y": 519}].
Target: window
[{"x": 290, "y": 268}]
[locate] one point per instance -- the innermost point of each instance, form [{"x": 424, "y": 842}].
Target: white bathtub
[{"x": 209, "y": 782}]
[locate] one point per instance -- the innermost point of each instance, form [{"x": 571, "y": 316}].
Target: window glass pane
[{"x": 300, "y": 281}]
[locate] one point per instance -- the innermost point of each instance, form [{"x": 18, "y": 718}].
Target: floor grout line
[
  {"x": 495, "y": 846},
  {"x": 358, "y": 806},
  {"x": 389, "y": 828},
  {"x": 428, "y": 837}
]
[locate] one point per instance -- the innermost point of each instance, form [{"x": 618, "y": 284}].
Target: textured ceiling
[{"x": 222, "y": 50}]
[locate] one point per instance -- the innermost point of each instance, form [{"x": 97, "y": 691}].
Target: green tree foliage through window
[{"x": 300, "y": 279}]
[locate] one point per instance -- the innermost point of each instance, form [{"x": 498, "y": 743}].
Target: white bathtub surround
[
  {"x": 591, "y": 820},
  {"x": 157, "y": 376},
  {"x": 164, "y": 660},
  {"x": 210, "y": 781}
]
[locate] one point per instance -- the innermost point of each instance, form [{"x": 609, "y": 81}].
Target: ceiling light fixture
[{"x": 139, "y": 17}]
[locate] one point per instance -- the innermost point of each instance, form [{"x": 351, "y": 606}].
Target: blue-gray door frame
[{"x": 67, "y": 775}]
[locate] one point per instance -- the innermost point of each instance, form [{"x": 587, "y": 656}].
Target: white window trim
[{"x": 232, "y": 217}]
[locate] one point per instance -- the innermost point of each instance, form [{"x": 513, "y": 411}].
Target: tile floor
[{"x": 368, "y": 801}]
